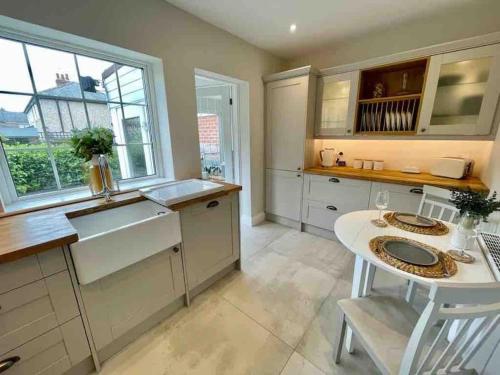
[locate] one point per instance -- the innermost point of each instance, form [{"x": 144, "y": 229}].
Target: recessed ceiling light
[{"x": 293, "y": 28}]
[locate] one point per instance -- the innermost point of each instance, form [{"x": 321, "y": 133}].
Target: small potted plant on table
[
  {"x": 474, "y": 207},
  {"x": 90, "y": 145}
]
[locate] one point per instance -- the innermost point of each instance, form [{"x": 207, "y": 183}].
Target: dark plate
[
  {"x": 410, "y": 253},
  {"x": 415, "y": 220}
]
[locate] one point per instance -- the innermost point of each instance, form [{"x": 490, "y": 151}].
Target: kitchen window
[{"x": 45, "y": 95}]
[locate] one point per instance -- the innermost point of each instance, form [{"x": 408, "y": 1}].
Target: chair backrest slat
[
  {"x": 455, "y": 359},
  {"x": 469, "y": 313},
  {"x": 433, "y": 198}
]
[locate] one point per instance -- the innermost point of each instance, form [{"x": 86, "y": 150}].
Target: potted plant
[
  {"x": 89, "y": 145},
  {"x": 474, "y": 207}
]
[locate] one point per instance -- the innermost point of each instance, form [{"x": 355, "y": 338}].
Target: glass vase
[{"x": 95, "y": 180}]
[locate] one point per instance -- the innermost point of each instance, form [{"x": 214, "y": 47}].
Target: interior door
[
  {"x": 336, "y": 104},
  {"x": 461, "y": 92},
  {"x": 286, "y": 123},
  {"x": 215, "y": 126}
]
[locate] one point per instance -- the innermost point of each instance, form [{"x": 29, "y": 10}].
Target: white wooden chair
[
  {"x": 435, "y": 204},
  {"x": 401, "y": 342}
]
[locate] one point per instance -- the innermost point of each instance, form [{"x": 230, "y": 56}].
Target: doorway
[{"x": 216, "y": 127}]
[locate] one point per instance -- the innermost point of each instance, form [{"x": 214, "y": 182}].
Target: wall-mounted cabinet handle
[
  {"x": 331, "y": 208},
  {"x": 417, "y": 191},
  {"x": 7, "y": 363},
  {"x": 176, "y": 249},
  {"x": 333, "y": 179},
  {"x": 213, "y": 204}
]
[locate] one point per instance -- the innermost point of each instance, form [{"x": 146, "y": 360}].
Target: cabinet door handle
[
  {"x": 331, "y": 208},
  {"x": 213, "y": 204},
  {"x": 333, "y": 179},
  {"x": 7, "y": 363},
  {"x": 417, "y": 191},
  {"x": 299, "y": 168},
  {"x": 299, "y": 175},
  {"x": 175, "y": 249}
]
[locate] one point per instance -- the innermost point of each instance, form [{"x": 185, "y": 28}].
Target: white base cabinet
[
  {"x": 117, "y": 303},
  {"x": 210, "y": 235},
  {"x": 284, "y": 193},
  {"x": 40, "y": 323},
  {"x": 326, "y": 198},
  {"x": 402, "y": 198}
]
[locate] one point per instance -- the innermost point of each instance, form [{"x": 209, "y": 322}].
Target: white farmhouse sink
[
  {"x": 116, "y": 238},
  {"x": 178, "y": 191}
]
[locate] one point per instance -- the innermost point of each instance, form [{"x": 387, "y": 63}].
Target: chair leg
[
  {"x": 340, "y": 337},
  {"x": 410, "y": 293}
]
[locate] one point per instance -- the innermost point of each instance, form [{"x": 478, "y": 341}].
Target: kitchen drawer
[
  {"x": 29, "y": 269},
  {"x": 19, "y": 272},
  {"x": 34, "y": 309},
  {"x": 402, "y": 198},
  {"x": 52, "y": 261},
  {"x": 319, "y": 214},
  {"x": 45, "y": 354},
  {"x": 344, "y": 193}
]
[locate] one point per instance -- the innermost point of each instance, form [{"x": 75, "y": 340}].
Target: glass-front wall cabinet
[
  {"x": 461, "y": 93},
  {"x": 336, "y": 104}
]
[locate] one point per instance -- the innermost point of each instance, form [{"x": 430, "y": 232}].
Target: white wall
[
  {"x": 184, "y": 43},
  {"x": 477, "y": 17}
]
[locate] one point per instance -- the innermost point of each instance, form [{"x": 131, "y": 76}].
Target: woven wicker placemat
[
  {"x": 437, "y": 230},
  {"x": 445, "y": 267}
]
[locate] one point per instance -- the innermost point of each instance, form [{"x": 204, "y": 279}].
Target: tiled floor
[{"x": 277, "y": 316}]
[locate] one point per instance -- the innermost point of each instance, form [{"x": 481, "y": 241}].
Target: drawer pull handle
[
  {"x": 299, "y": 175},
  {"x": 332, "y": 208},
  {"x": 333, "y": 179},
  {"x": 213, "y": 204},
  {"x": 417, "y": 191},
  {"x": 7, "y": 363},
  {"x": 175, "y": 249}
]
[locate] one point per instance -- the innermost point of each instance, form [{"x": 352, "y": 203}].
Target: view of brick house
[{"x": 208, "y": 128}]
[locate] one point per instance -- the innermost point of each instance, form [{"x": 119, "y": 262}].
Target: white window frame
[{"x": 154, "y": 87}]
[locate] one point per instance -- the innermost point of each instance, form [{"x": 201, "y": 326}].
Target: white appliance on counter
[
  {"x": 328, "y": 157},
  {"x": 175, "y": 192},
  {"x": 452, "y": 167}
]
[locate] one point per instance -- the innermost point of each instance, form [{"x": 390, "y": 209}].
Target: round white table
[{"x": 355, "y": 230}]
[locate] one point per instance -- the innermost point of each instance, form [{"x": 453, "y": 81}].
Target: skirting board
[
  {"x": 254, "y": 220},
  {"x": 328, "y": 234},
  {"x": 283, "y": 221}
]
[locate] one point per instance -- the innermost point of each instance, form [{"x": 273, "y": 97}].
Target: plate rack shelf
[{"x": 389, "y": 99}]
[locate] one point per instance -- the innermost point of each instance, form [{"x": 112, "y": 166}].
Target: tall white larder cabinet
[{"x": 290, "y": 98}]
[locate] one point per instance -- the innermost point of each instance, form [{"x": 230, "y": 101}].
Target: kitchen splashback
[{"x": 400, "y": 153}]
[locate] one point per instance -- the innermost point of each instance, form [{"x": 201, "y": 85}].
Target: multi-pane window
[{"x": 46, "y": 94}]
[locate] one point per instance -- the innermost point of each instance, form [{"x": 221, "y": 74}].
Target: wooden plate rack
[{"x": 396, "y": 111}]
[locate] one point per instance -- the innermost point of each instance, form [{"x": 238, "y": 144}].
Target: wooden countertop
[
  {"x": 398, "y": 177},
  {"x": 29, "y": 233}
]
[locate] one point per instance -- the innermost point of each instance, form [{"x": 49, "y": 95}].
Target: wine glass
[{"x": 382, "y": 202}]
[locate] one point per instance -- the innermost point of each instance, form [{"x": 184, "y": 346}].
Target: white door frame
[{"x": 241, "y": 133}]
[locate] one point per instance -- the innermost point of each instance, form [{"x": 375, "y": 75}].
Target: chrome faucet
[{"x": 106, "y": 190}]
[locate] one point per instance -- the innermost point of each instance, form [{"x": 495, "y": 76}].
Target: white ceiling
[{"x": 265, "y": 23}]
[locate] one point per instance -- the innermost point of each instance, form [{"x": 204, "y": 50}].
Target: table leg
[
  {"x": 370, "y": 276},
  {"x": 358, "y": 287}
]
